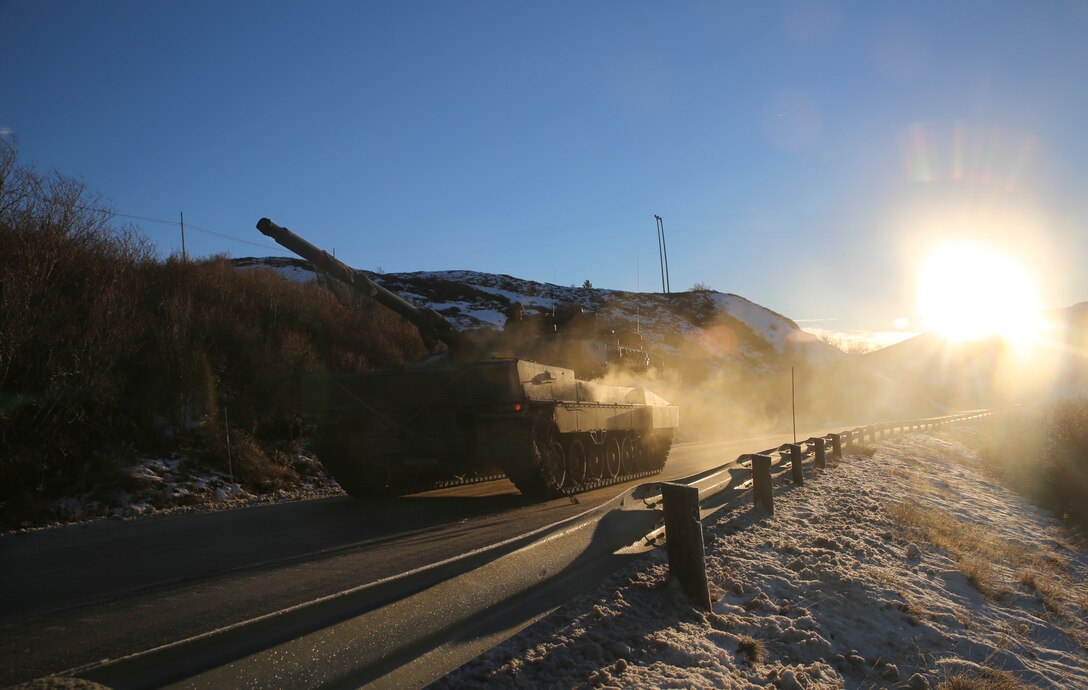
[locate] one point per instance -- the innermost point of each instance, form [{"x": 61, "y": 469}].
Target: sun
[{"x": 968, "y": 292}]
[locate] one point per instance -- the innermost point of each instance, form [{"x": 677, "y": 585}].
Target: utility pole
[
  {"x": 663, "y": 255},
  {"x": 184, "y": 255},
  {"x": 668, "y": 285},
  {"x": 793, "y": 404},
  {"x": 660, "y": 254}
]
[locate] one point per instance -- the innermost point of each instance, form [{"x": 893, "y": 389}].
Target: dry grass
[
  {"x": 995, "y": 566},
  {"x": 945, "y": 530},
  {"x": 979, "y": 551},
  {"x": 754, "y": 650},
  {"x": 986, "y": 679}
]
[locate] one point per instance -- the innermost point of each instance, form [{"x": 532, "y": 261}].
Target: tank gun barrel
[{"x": 432, "y": 326}]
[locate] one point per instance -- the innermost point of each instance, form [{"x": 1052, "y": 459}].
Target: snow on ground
[
  {"x": 772, "y": 327},
  {"x": 179, "y": 484},
  {"x": 833, "y": 591},
  {"x": 289, "y": 268}
]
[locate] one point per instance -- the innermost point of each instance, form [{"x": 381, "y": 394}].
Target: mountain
[{"x": 994, "y": 371}]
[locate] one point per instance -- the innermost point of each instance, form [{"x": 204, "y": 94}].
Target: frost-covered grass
[{"x": 862, "y": 579}]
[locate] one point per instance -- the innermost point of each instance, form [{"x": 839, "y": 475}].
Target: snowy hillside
[{"x": 719, "y": 325}]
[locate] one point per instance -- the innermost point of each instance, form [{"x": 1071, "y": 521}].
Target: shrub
[
  {"x": 1065, "y": 464},
  {"x": 1043, "y": 453}
]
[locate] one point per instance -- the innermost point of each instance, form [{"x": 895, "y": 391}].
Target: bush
[
  {"x": 1065, "y": 464},
  {"x": 106, "y": 351},
  {"x": 1043, "y": 453}
]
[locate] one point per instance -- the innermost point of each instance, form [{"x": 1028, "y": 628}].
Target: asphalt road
[{"x": 75, "y": 595}]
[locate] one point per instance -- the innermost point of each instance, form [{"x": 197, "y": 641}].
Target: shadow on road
[{"x": 59, "y": 568}]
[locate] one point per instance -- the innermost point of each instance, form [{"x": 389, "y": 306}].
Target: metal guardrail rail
[{"x": 411, "y": 629}]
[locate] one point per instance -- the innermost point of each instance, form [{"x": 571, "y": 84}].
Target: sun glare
[{"x": 967, "y": 292}]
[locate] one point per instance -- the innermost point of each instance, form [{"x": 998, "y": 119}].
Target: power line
[
  {"x": 165, "y": 221},
  {"x": 175, "y": 223}
]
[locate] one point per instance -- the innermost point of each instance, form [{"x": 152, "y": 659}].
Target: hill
[{"x": 993, "y": 371}]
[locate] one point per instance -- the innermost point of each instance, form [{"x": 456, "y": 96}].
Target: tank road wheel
[
  {"x": 595, "y": 471},
  {"x": 547, "y": 459},
  {"x": 577, "y": 463},
  {"x": 556, "y": 463},
  {"x": 612, "y": 457},
  {"x": 631, "y": 455}
]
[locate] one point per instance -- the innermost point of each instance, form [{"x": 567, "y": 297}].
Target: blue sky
[{"x": 803, "y": 155}]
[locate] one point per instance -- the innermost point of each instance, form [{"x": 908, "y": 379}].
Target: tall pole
[
  {"x": 184, "y": 255},
  {"x": 668, "y": 285},
  {"x": 793, "y": 405},
  {"x": 660, "y": 253}
]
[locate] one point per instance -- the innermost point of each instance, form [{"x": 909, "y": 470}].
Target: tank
[{"x": 481, "y": 408}]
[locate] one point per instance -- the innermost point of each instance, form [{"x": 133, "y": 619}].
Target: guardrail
[{"x": 409, "y": 630}]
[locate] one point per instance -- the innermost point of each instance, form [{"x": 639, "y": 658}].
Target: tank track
[
  {"x": 355, "y": 480},
  {"x": 459, "y": 481}
]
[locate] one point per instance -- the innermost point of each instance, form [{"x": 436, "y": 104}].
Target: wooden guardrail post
[
  {"x": 836, "y": 446},
  {"x": 798, "y": 474},
  {"x": 684, "y": 541},
  {"x": 762, "y": 491},
  {"x": 821, "y": 458}
]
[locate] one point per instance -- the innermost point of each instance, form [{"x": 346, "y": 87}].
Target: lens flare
[{"x": 967, "y": 153}]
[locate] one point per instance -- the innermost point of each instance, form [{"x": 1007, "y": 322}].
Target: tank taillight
[{"x": 518, "y": 407}]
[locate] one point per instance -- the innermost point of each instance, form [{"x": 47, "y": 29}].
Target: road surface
[{"x": 74, "y": 595}]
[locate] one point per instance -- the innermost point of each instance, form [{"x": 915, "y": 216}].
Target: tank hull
[{"x": 411, "y": 428}]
